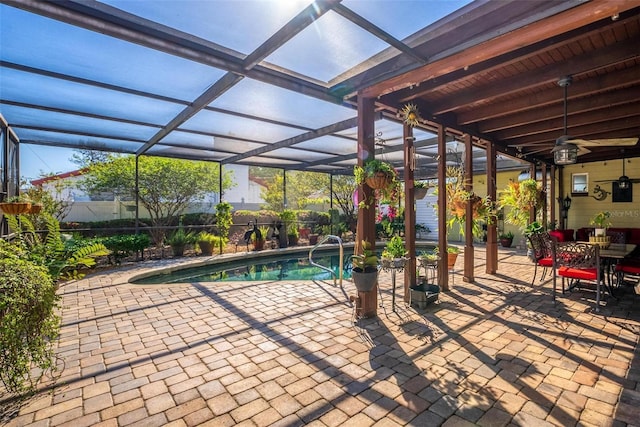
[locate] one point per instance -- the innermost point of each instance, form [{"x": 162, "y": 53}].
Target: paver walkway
[{"x": 493, "y": 353}]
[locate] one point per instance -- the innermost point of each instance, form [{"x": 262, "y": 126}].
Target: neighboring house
[{"x": 84, "y": 208}]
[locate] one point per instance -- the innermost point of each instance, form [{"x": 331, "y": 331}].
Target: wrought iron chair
[
  {"x": 628, "y": 271},
  {"x": 541, "y": 243},
  {"x": 577, "y": 262}
]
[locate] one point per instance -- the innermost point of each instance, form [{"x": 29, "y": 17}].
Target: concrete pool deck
[{"x": 497, "y": 352}]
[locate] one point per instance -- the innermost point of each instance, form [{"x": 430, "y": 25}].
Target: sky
[{"x": 36, "y": 160}]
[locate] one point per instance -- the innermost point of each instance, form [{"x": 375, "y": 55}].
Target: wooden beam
[
  {"x": 492, "y": 235},
  {"x": 443, "y": 272},
  {"x": 590, "y": 61},
  {"x": 409, "y": 210},
  {"x": 582, "y": 88},
  {"x": 545, "y": 27},
  {"x": 366, "y": 226},
  {"x": 468, "y": 275}
]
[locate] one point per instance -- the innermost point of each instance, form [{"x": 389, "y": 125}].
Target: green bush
[
  {"x": 123, "y": 245},
  {"x": 28, "y": 323}
]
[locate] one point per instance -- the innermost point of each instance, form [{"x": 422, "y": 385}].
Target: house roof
[{"x": 264, "y": 86}]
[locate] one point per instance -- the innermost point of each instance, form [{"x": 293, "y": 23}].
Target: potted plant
[
  {"x": 380, "y": 176},
  {"x": 420, "y": 189},
  {"x": 179, "y": 239},
  {"x": 377, "y": 174},
  {"x": 15, "y": 205},
  {"x": 393, "y": 255},
  {"x": 452, "y": 256},
  {"x": 365, "y": 268},
  {"x": 259, "y": 237},
  {"x": 293, "y": 236},
  {"x": 520, "y": 198},
  {"x": 506, "y": 239},
  {"x": 601, "y": 221},
  {"x": 206, "y": 242},
  {"x": 457, "y": 198}
]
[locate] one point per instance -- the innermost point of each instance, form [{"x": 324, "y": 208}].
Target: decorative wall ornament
[
  {"x": 599, "y": 193},
  {"x": 410, "y": 115}
]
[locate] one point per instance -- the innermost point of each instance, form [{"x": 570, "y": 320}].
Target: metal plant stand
[{"x": 394, "y": 266}]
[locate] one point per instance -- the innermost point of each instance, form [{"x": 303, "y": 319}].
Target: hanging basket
[
  {"x": 378, "y": 181},
  {"x": 15, "y": 208},
  {"x": 36, "y": 208},
  {"x": 420, "y": 193}
]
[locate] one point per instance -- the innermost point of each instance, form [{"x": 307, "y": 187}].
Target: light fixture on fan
[{"x": 565, "y": 152}]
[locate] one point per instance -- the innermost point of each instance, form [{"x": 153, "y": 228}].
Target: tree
[
  {"x": 342, "y": 191},
  {"x": 86, "y": 158},
  {"x": 166, "y": 186},
  {"x": 303, "y": 189}
]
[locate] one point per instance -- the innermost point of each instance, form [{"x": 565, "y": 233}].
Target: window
[{"x": 579, "y": 184}]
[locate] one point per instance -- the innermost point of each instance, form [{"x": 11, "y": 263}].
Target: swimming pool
[{"x": 293, "y": 266}]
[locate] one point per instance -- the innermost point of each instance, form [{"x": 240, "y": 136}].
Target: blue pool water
[{"x": 275, "y": 268}]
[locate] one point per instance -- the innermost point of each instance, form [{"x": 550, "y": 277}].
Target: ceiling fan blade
[
  {"x": 606, "y": 180},
  {"x": 582, "y": 150},
  {"x": 605, "y": 142}
]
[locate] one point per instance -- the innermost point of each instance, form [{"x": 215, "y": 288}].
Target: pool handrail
[{"x": 333, "y": 273}]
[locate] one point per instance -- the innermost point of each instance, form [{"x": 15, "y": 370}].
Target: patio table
[{"x": 611, "y": 255}]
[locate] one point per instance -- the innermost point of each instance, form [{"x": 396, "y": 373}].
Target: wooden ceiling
[{"x": 505, "y": 89}]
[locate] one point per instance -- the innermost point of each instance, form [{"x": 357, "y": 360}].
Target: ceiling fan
[
  {"x": 624, "y": 181},
  {"x": 567, "y": 148}
]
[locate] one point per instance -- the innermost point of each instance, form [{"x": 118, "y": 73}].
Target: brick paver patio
[{"x": 493, "y": 353}]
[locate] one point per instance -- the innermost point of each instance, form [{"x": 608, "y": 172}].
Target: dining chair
[
  {"x": 541, "y": 243},
  {"x": 577, "y": 263},
  {"x": 628, "y": 271}
]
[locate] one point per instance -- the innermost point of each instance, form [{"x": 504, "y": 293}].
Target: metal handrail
[{"x": 333, "y": 273}]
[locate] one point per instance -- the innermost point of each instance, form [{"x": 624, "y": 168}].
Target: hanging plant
[
  {"x": 380, "y": 176},
  {"x": 457, "y": 197},
  {"x": 520, "y": 198}
]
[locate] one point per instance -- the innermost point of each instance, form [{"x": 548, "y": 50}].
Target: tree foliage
[
  {"x": 166, "y": 186},
  {"x": 302, "y": 189}
]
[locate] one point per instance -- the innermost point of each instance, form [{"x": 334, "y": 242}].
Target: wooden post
[
  {"x": 443, "y": 271},
  {"x": 467, "y": 275},
  {"x": 492, "y": 242},
  {"x": 366, "y": 228},
  {"x": 409, "y": 210}
]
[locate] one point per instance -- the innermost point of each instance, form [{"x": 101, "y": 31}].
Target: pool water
[{"x": 277, "y": 268}]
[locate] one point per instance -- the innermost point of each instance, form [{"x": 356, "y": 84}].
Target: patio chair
[
  {"x": 628, "y": 272},
  {"x": 577, "y": 263},
  {"x": 542, "y": 256}
]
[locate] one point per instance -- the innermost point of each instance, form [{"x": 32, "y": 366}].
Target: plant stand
[
  {"x": 426, "y": 292},
  {"x": 394, "y": 266}
]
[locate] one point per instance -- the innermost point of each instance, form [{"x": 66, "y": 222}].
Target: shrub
[
  {"x": 28, "y": 323},
  {"x": 123, "y": 245}
]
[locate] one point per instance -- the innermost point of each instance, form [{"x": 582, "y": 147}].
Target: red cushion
[
  {"x": 546, "y": 262},
  {"x": 631, "y": 269},
  {"x": 579, "y": 273},
  {"x": 562, "y": 235}
]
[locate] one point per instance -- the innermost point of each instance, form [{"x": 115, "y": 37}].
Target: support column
[
  {"x": 409, "y": 210},
  {"x": 443, "y": 271},
  {"x": 545, "y": 217},
  {"x": 366, "y": 228},
  {"x": 468, "y": 226},
  {"x": 492, "y": 238},
  {"x": 552, "y": 194}
]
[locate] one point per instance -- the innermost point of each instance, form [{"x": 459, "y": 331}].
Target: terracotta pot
[
  {"x": 451, "y": 260},
  {"x": 15, "y": 208},
  {"x": 36, "y": 208},
  {"x": 378, "y": 181}
]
